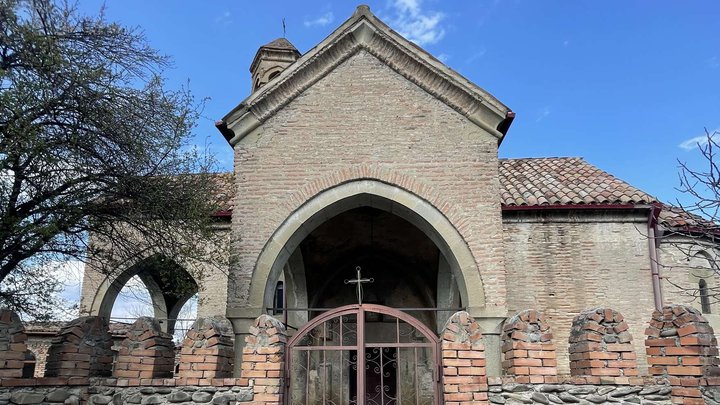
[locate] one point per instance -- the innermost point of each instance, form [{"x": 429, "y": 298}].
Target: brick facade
[
  {"x": 302, "y": 150},
  {"x": 263, "y": 364},
  {"x": 146, "y": 352},
  {"x": 681, "y": 345},
  {"x": 207, "y": 350},
  {"x": 563, "y": 263},
  {"x": 528, "y": 349},
  {"x": 601, "y": 345},
  {"x": 463, "y": 361},
  {"x": 12, "y": 345},
  {"x": 81, "y": 349}
]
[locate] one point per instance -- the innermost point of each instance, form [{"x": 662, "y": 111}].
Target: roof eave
[{"x": 365, "y": 31}]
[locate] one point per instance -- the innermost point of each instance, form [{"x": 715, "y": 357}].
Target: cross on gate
[{"x": 359, "y": 281}]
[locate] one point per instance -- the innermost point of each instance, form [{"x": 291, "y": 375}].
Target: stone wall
[
  {"x": 106, "y": 391},
  {"x": 680, "y": 344},
  {"x": 507, "y": 391}
]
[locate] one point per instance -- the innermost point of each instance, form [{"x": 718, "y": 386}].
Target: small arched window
[
  {"x": 274, "y": 75},
  {"x": 279, "y": 299},
  {"x": 704, "y": 296}
]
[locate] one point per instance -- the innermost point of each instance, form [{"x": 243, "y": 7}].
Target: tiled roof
[
  {"x": 280, "y": 43},
  {"x": 532, "y": 182},
  {"x": 563, "y": 181},
  {"x": 678, "y": 218}
]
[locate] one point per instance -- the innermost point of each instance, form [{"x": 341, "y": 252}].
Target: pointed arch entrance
[
  {"x": 342, "y": 358},
  {"x": 282, "y": 248}
]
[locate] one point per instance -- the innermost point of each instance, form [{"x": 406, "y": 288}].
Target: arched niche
[
  {"x": 702, "y": 281},
  {"x": 366, "y": 193}
]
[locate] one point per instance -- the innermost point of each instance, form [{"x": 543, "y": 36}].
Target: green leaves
[{"x": 93, "y": 144}]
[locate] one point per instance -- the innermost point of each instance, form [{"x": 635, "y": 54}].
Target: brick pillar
[
  {"x": 12, "y": 344},
  {"x": 528, "y": 351},
  {"x": 263, "y": 360},
  {"x": 600, "y": 345},
  {"x": 207, "y": 351},
  {"x": 146, "y": 352},
  {"x": 81, "y": 349},
  {"x": 463, "y": 361},
  {"x": 681, "y": 346}
]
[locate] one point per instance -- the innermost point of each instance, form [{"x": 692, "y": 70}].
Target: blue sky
[{"x": 622, "y": 84}]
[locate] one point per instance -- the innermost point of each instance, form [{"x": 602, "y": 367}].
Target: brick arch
[
  {"x": 463, "y": 360},
  {"x": 527, "y": 348},
  {"x": 371, "y": 172},
  {"x": 337, "y": 198},
  {"x": 681, "y": 342},
  {"x": 601, "y": 345}
]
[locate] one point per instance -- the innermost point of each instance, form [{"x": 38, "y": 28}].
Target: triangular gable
[{"x": 364, "y": 31}]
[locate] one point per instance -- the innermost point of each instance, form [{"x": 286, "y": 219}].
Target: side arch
[
  {"x": 372, "y": 193},
  {"x": 167, "y": 299}
]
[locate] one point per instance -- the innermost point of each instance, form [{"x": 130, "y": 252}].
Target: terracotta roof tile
[
  {"x": 551, "y": 181},
  {"x": 563, "y": 181},
  {"x": 678, "y": 218}
]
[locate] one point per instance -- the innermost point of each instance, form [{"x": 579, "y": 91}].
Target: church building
[{"x": 369, "y": 205}]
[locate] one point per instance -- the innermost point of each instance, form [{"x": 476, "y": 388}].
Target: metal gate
[{"x": 363, "y": 355}]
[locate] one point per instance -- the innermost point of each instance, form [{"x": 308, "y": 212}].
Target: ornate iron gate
[{"x": 363, "y": 355}]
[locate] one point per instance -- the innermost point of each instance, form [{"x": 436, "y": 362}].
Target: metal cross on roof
[{"x": 359, "y": 281}]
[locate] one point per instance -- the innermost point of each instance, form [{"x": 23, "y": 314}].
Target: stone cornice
[{"x": 365, "y": 32}]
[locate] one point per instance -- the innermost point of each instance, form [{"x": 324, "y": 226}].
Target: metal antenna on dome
[{"x": 284, "y": 29}]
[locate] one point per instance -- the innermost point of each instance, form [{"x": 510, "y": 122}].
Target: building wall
[
  {"x": 683, "y": 262},
  {"x": 567, "y": 262},
  {"x": 364, "y": 114},
  {"x": 212, "y": 280}
]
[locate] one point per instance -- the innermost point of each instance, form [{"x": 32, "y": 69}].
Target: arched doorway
[
  {"x": 454, "y": 267},
  {"x": 363, "y": 355}
]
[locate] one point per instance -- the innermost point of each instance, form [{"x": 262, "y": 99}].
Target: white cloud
[
  {"x": 414, "y": 23},
  {"x": 225, "y": 18},
  {"x": 70, "y": 274},
  {"x": 699, "y": 140},
  {"x": 476, "y": 55},
  {"x": 321, "y": 21},
  {"x": 543, "y": 113},
  {"x": 714, "y": 62}
]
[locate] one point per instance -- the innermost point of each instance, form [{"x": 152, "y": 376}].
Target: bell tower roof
[{"x": 271, "y": 59}]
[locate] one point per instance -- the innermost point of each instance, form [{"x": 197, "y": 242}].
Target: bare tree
[
  {"x": 691, "y": 227},
  {"x": 92, "y": 142}
]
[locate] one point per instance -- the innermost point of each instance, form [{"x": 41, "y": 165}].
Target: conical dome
[{"x": 270, "y": 60}]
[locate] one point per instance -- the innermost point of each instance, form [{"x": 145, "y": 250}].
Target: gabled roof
[
  {"x": 563, "y": 181},
  {"x": 364, "y": 31}
]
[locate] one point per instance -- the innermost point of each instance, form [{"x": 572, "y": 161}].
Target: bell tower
[{"x": 270, "y": 60}]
